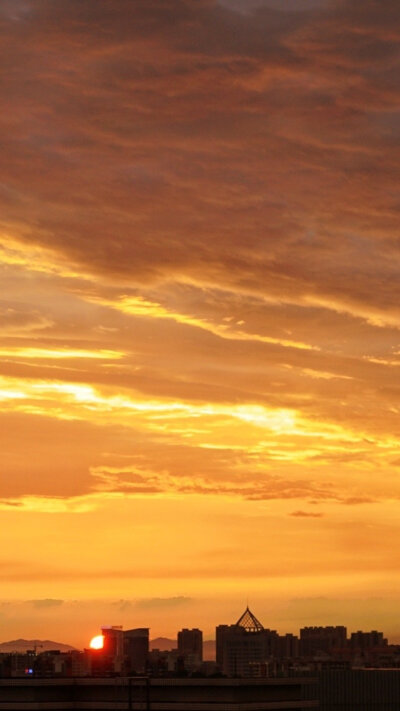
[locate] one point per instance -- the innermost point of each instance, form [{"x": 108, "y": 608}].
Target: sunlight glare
[{"x": 97, "y": 642}]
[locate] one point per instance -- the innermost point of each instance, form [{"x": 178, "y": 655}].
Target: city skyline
[
  {"x": 199, "y": 314},
  {"x": 193, "y": 636},
  {"x": 209, "y": 636},
  {"x": 242, "y": 649}
]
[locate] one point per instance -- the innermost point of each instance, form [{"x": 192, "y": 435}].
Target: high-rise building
[
  {"x": 136, "y": 650},
  {"x": 245, "y": 646},
  {"x": 190, "y": 644},
  {"x": 288, "y": 646},
  {"x": 113, "y": 648},
  {"x": 367, "y": 640},
  {"x": 314, "y": 640}
]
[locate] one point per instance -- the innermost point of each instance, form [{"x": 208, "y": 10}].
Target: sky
[{"x": 199, "y": 315}]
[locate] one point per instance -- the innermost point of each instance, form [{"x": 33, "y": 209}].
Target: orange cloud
[{"x": 200, "y": 302}]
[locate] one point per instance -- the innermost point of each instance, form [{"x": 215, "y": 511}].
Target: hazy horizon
[{"x": 165, "y": 617}]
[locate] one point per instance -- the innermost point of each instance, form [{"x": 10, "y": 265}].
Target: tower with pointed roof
[
  {"x": 244, "y": 646},
  {"x": 249, "y": 621}
]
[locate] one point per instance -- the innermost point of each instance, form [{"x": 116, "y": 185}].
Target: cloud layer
[{"x": 199, "y": 261}]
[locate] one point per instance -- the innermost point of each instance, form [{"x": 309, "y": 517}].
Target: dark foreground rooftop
[{"x": 158, "y": 694}]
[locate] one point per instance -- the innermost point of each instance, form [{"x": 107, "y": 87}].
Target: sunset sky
[{"x": 199, "y": 315}]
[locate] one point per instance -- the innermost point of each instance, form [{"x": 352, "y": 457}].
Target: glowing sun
[{"x": 97, "y": 642}]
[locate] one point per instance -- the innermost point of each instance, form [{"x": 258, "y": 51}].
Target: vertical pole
[
  {"x": 130, "y": 693},
  {"x": 147, "y": 693}
]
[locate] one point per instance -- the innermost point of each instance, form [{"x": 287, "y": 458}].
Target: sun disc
[{"x": 97, "y": 642}]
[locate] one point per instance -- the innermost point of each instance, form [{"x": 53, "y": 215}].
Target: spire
[{"x": 249, "y": 622}]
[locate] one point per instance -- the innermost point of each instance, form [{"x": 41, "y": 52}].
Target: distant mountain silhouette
[
  {"x": 41, "y": 645},
  {"x": 209, "y": 650},
  {"x": 164, "y": 644}
]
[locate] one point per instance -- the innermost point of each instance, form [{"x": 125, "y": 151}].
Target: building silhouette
[
  {"x": 109, "y": 659},
  {"x": 288, "y": 646},
  {"x": 136, "y": 650},
  {"x": 366, "y": 640},
  {"x": 243, "y": 649},
  {"x": 314, "y": 640},
  {"x": 190, "y": 644}
]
